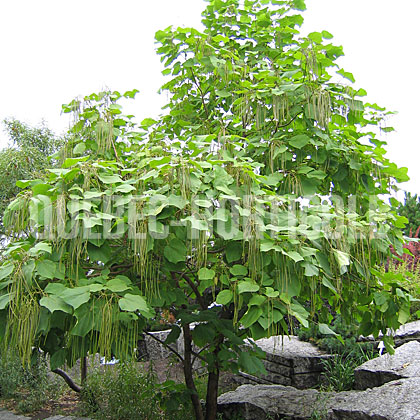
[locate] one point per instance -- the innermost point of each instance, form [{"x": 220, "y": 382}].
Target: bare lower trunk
[
  {"x": 213, "y": 383},
  {"x": 211, "y": 398},
  {"x": 83, "y": 370},
  {"x": 188, "y": 373}
]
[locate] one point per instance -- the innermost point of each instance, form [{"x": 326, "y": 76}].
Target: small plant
[
  {"x": 28, "y": 386},
  {"x": 338, "y": 373},
  {"x": 125, "y": 392},
  {"x": 347, "y": 345}
]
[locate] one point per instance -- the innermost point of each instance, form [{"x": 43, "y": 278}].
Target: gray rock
[
  {"x": 259, "y": 401},
  {"x": 7, "y": 415},
  {"x": 404, "y": 334},
  {"x": 290, "y": 361},
  {"x": 155, "y": 350},
  {"x": 397, "y": 400},
  {"x": 404, "y": 363}
]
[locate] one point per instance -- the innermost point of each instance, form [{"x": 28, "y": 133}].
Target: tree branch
[
  {"x": 288, "y": 123},
  {"x": 193, "y": 286},
  {"x": 201, "y": 93},
  {"x": 68, "y": 380},
  {"x": 165, "y": 345}
]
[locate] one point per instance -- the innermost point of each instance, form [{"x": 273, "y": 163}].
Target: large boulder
[
  {"x": 404, "y": 363},
  {"x": 262, "y": 401},
  {"x": 290, "y": 362},
  {"x": 404, "y": 334},
  {"x": 397, "y": 400}
]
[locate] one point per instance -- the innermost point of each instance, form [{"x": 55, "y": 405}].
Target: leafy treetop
[{"x": 202, "y": 212}]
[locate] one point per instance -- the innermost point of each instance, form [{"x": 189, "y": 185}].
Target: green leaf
[
  {"x": 110, "y": 179},
  {"x": 58, "y": 359},
  {"x": 148, "y": 122},
  {"x": 224, "y": 297},
  {"x": 40, "y": 247},
  {"x": 173, "y": 335},
  {"x": 132, "y": 303},
  {"x": 247, "y": 286},
  {"x": 223, "y": 93},
  {"x": 233, "y": 251},
  {"x": 46, "y": 268},
  {"x": 125, "y": 188},
  {"x": 328, "y": 284},
  {"x": 175, "y": 251},
  {"x": 343, "y": 259},
  {"x": 299, "y": 5},
  {"x": 299, "y": 141},
  {"x": 76, "y": 296},
  {"x": 203, "y": 334},
  {"x": 6, "y": 270},
  {"x": 257, "y": 300},
  {"x": 206, "y": 274},
  {"x": 85, "y": 316},
  {"x": 203, "y": 203},
  {"x": 346, "y": 75},
  {"x": 55, "y": 288},
  {"x": 5, "y": 300},
  {"x": 79, "y": 148},
  {"x": 298, "y": 311},
  {"x": 251, "y": 316},
  {"x": 102, "y": 253},
  {"x": 325, "y": 329},
  {"x": 177, "y": 201},
  {"x": 310, "y": 269},
  {"x": 239, "y": 270},
  {"x": 54, "y": 303},
  {"x": 294, "y": 255},
  {"x": 118, "y": 284}
]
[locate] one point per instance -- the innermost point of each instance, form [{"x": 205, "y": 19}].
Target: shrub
[
  {"x": 125, "y": 392},
  {"x": 346, "y": 346},
  {"x": 29, "y": 386},
  {"x": 338, "y": 371}
]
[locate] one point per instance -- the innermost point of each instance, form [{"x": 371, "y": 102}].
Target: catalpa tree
[{"x": 253, "y": 202}]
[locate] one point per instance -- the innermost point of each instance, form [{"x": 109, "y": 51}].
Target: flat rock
[
  {"x": 407, "y": 332},
  {"x": 289, "y": 361},
  {"x": 404, "y": 363},
  {"x": 260, "y": 401},
  {"x": 397, "y": 400},
  {"x": 7, "y": 415}
]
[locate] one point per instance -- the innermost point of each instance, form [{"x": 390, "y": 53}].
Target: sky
[{"x": 53, "y": 51}]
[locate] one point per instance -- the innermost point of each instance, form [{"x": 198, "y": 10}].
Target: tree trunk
[
  {"x": 211, "y": 398},
  {"x": 83, "y": 370},
  {"x": 213, "y": 383},
  {"x": 188, "y": 373}
]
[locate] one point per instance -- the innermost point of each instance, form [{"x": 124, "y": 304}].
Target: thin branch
[
  {"x": 165, "y": 345},
  {"x": 68, "y": 380},
  {"x": 198, "y": 355},
  {"x": 201, "y": 93},
  {"x": 288, "y": 123},
  {"x": 193, "y": 286}
]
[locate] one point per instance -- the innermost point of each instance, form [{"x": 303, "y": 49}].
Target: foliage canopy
[
  {"x": 25, "y": 157},
  {"x": 202, "y": 212}
]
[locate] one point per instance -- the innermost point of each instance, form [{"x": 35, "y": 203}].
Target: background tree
[
  {"x": 201, "y": 213},
  {"x": 411, "y": 210},
  {"x": 25, "y": 157}
]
